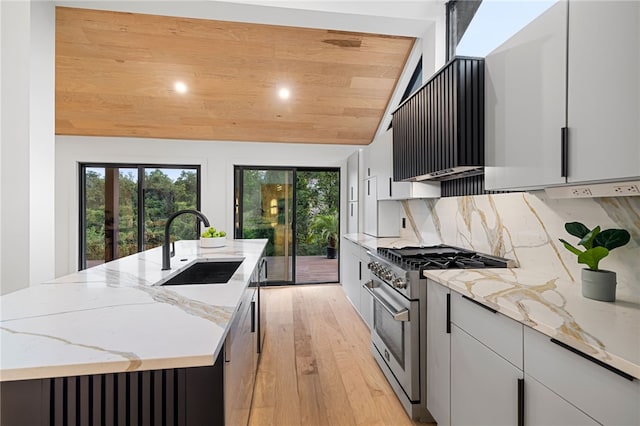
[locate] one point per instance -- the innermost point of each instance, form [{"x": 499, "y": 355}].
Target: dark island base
[{"x": 181, "y": 397}]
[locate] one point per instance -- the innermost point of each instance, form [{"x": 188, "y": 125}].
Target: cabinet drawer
[
  {"x": 501, "y": 334},
  {"x": 602, "y": 394},
  {"x": 545, "y": 408}
]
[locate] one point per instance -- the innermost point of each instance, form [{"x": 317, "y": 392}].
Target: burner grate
[{"x": 440, "y": 257}]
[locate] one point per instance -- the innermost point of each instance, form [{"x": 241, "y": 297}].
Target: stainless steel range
[{"x": 398, "y": 339}]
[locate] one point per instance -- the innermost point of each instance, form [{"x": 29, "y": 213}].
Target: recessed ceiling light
[
  {"x": 180, "y": 87},
  {"x": 284, "y": 93}
]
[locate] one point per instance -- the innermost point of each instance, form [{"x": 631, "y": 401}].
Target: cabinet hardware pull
[
  {"x": 253, "y": 317},
  {"x": 360, "y": 270},
  {"x": 520, "y": 402},
  {"x": 594, "y": 360},
  {"x": 479, "y": 304},
  {"x": 368, "y": 171},
  {"x": 352, "y": 193},
  {"x": 351, "y": 210},
  {"x": 564, "y": 168},
  {"x": 448, "y": 313},
  {"x": 227, "y": 348},
  {"x": 368, "y": 187},
  {"x": 390, "y": 186}
]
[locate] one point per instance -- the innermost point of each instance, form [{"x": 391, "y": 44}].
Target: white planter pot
[
  {"x": 213, "y": 242},
  {"x": 599, "y": 285}
]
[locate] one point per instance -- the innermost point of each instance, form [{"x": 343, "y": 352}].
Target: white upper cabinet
[
  {"x": 604, "y": 90},
  {"x": 525, "y": 100},
  {"x": 352, "y": 177},
  {"x": 380, "y": 164},
  {"x": 584, "y": 76}
]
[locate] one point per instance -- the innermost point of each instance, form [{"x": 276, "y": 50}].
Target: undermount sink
[{"x": 206, "y": 272}]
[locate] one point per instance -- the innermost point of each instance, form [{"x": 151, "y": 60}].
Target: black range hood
[{"x": 438, "y": 133}]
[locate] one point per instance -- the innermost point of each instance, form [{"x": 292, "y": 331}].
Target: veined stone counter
[
  {"x": 609, "y": 332},
  {"x": 113, "y": 318},
  {"x": 372, "y": 243}
]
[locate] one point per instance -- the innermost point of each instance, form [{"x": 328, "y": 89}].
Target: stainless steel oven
[
  {"x": 396, "y": 340},
  {"x": 396, "y": 335}
]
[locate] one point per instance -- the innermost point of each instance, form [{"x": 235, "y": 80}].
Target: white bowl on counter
[{"x": 213, "y": 242}]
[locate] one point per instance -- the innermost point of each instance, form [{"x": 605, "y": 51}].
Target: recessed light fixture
[
  {"x": 180, "y": 87},
  {"x": 284, "y": 93}
]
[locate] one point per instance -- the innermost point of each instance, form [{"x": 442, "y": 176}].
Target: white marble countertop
[
  {"x": 609, "y": 332},
  {"x": 112, "y": 318},
  {"x": 372, "y": 243}
]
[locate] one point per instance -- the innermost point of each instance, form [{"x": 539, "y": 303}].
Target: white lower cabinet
[
  {"x": 366, "y": 299},
  {"x": 484, "y": 368},
  {"x": 350, "y": 271},
  {"x": 604, "y": 395},
  {"x": 438, "y": 354},
  {"x": 486, "y": 365},
  {"x": 354, "y": 260},
  {"x": 543, "y": 407},
  {"x": 484, "y": 386}
]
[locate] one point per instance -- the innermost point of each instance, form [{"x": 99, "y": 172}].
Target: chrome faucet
[{"x": 166, "y": 255}]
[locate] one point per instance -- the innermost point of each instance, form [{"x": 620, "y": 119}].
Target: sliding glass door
[
  {"x": 124, "y": 207},
  {"x": 297, "y": 211},
  {"x": 264, "y": 209}
]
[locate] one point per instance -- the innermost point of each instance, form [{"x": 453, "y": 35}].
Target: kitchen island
[{"x": 99, "y": 326}]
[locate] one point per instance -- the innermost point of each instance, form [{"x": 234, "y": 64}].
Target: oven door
[{"x": 395, "y": 334}]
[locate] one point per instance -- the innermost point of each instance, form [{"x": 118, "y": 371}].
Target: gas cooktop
[{"x": 441, "y": 257}]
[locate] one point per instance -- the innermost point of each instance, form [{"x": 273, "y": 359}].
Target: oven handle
[{"x": 402, "y": 315}]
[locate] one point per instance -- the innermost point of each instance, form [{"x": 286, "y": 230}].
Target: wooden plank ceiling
[{"x": 115, "y": 76}]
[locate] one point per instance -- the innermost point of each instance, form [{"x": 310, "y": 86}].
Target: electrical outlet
[
  {"x": 581, "y": 192},
  {"x": 626, "y": 189}
]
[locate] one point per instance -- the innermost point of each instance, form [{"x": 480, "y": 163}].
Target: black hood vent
[{"x": 438, "y": 133}]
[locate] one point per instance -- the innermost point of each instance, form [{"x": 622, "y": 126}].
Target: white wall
[
  {"x": 215, "y": 158},
  {"x": 42, "y": 143},
  {"x": 434, "y": 44},
  {"x": 26, "y": 154}
]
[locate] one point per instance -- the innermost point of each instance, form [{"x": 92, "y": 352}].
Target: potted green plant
[
  {"x": 598, "y": 284},
  {"x": 325, "y": 228}
]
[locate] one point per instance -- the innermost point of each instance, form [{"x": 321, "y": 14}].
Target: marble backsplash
[{"x": 526, "y": 227}]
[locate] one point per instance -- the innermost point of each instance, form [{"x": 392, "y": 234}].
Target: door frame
[{"x": 238, "y": 184}]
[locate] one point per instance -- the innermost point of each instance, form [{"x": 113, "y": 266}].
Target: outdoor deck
[{"x": 309, "y": 269}]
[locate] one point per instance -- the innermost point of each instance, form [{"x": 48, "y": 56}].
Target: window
[{"x": 124, "y": 207}]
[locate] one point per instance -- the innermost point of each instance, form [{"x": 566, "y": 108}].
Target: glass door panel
[
  {"x": 167, "y": 190},
  {"x": 110, "y": 213},
  {"x": 317, "y": 225},
  {"x": 124, "y": 208},
  {"x": 265, "y": 209}
]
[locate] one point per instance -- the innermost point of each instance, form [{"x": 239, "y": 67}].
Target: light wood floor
[{"x": 317, "y": 367}]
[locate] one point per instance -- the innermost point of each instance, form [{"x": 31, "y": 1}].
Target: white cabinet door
[
  {"x": 366, "y": 299},
  {"x": 352, "y": 177},
  {"x": 352, "y": 217},
  {"x": 370, "y": 217},
  {"x": 350, "y": 277},
  {"x": 484, "y": 386},
  {"x": 381, "y": 166},
  {"x": 604, "y": 395},
  {"x": 525, "y": 99},
  {"x": 438, "y": 353},
  {"x": 604, "y": 90},
  {"x": 545, "y": 408}
]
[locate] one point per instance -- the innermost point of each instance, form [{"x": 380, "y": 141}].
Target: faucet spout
[{"x": 166, "y": 256}]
